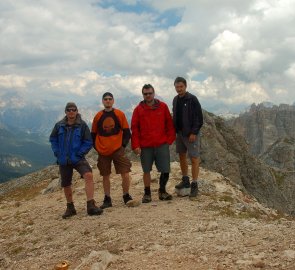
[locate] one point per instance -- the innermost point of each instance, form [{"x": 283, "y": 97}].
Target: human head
[
  {"x": 71, "y": 105},
  {"x": 147, "y": 86},
  {"x": 108, "y": 100},
  {"x": 71, "y": 110},
  {"x": 180, "y": 86},
  {"x": 148, "y": 93},
  {"x": 180, "y": 79}
]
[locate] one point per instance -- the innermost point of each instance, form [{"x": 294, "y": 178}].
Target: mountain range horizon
[{"x": 27, "y": 127}]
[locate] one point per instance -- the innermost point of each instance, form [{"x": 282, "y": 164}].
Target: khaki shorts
[{"x": 121, "y": 162}]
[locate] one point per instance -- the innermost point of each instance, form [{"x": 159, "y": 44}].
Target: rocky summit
[
  {"x": 243, "y": 217},
  {"x": 224, "y": 228}
]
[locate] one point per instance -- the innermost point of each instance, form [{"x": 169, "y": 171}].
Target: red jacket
[{"x": 151, "y": 126}]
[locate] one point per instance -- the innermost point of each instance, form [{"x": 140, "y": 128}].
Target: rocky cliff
[
  {"x": 226, "y": 152},
  {"x": 264, "y": 125},
  {"x": 281, "y": 154}
]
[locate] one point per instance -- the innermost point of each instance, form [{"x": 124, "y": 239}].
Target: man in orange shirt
[{"x": 111, "y": 134}]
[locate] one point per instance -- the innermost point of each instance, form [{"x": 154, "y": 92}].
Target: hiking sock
[
  {"x": 164, "y": 177},
  {"x": 147, "y": 190}
]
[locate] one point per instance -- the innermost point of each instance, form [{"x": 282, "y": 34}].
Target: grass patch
[
  {"x": 24, "y": 193},
  {"x": 226, "y": 198},
  {"x": 228, "y": 211},
  {"x": 279, "y": 177},
  {"x": 16, "y": 250}
]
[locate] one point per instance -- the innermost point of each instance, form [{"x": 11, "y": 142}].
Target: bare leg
[
  {"x": 106, "y": 185},
  {"x": 183, "y": 164},
  {"x": 147, "y": 179},
  {"x": 125, "y": 182},
  {"x": 195, "y": 167},
  {"x": 68, "y": 194},
  {"x": 89, "y": 185}
]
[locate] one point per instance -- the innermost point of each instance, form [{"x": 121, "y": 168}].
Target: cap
[{"x": 70, "y": 105}]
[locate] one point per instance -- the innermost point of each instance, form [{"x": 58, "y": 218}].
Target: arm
[
  {"x": 170, "y": 130},
  {"x": 135, "y": 130},
  {"x": 94, "y": 131},
  {"x": 126, "y": 131},
  {"x": 53, "y": 138},
  {"x": 197, "y": 116},
  {"x": 86, "y": 144}
]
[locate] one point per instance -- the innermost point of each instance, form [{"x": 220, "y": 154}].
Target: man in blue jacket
[
  {"x": 70, "y": 141},
  {"x": 188, "y": 120}
]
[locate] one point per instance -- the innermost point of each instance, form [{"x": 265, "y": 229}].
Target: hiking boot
[
  {"x": 194, "y": 190},
  {"x": 70, "y": 211},
  {"x": 92, "y": 209},
  {"x": 107, "y": 202},
  {"x": 127, "y": 198},
  {"x": 164, "y": 196},
  {"x": 146, "y": 198},
  {"x": 184, "y": 183},
  {"x": 183, "y": 188}
]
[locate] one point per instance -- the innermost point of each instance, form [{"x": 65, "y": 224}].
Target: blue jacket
[{"x": 70, "y": 144}]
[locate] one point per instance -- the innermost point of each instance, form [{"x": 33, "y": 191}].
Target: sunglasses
[
  {"x": 148, "y": 93},
  {"x": 108, "y": 99},
  {"x": 71, "y": 110}
]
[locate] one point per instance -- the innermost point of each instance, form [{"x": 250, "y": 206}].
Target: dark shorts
[
  {"x": 160, "y": 155},
  {"x": 121, "y": 162},
  {"x": 66, "y": 171},
  {"x": 183, "y": 145}
]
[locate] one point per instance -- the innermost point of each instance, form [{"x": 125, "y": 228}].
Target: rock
[
  {"x": 290, "y": 254},
  {"x": 17, "y": 204},
  {"x": 241, "y": 166},
  {"x": 202, "y": 228},
  {"x": 182, "y": 192},
  {"x": 259, "y": 264},
  {"x": 252, "y": 242},
  {"x": 54, "y": 185},
  {"x": 133, "y": 203},
  {"x": 96, "y": 260},
  {"x": 212, "y": 226}
]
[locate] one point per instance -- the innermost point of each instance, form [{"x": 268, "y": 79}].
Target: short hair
[
  {"x": 107, "y": 94},
  {"x": 180, "y": 79},
  {"x": 147, "y": 86}
]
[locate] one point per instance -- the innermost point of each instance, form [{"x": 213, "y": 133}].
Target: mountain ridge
[{"x": 223, "y": 229}]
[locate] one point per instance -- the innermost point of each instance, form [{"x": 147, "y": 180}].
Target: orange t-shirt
[{"x": 108, "y": 127}]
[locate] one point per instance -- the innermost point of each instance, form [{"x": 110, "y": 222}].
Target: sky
[{"x": 232, "y": 52}]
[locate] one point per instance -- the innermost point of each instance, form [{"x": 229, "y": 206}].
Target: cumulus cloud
[
  {"x": 13, "y": 81},
  {"x": 230, "y": 51}
]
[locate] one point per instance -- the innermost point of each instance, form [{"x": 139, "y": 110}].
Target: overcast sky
[{"x": 230, "y": 51}]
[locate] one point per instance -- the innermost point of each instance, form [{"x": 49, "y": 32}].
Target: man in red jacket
[{"x": 152, "y": 133}]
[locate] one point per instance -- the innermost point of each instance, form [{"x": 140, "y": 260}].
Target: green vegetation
[
  {"x": 279, "y": 177},
  {"x": 17, "y": 145}
]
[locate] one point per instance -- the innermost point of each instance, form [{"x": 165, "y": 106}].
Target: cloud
[
  {"x": 230, "y": 51},
  {"x": 13, "y": 81}
]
